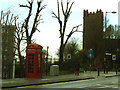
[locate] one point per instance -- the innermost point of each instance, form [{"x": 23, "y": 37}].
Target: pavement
[{"x": 19, "y": 82}]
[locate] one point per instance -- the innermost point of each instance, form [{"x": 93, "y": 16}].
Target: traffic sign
[
  {"x": 69, "y": 56},
  {"x": 90, "y": 53},
  {"x": 114, "y": 57}
]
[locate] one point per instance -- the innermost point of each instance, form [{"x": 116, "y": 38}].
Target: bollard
[
  {"x": 98, "y": 72},
  {"x": 116, "y": 72},
  {"x": 104, "y": 70}
]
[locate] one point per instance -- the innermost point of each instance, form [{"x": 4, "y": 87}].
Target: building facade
[
  {"x": 93, "y": 33},
  {"x": 8, "y": 51},
  {"x": 93, "y": 39}
]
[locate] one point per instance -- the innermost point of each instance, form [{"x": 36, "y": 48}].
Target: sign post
[
  {"x": 90, "y": 55},
  {"x": 115, "y": 64}
]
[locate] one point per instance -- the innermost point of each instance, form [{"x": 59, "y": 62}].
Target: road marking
[
  {"x": 113, "y": 82},
  {"x": 98, "y": 84},
  {"x": 55, "y": 83},
  {"x": 25, "y": 87},
  {"x": 65, "y": 82},
  {"x": 44, "y": 79},
  {"x": 110, "y": 86},
  {"x": 81, "y": 87}
]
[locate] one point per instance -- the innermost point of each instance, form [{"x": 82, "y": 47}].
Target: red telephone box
[{"x": 34, "y": 61}]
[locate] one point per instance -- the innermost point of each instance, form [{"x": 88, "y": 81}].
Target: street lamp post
[{"x": 105, "y": 30}]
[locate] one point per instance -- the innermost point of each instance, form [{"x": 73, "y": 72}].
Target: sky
[{"x": 49, "y": 30}]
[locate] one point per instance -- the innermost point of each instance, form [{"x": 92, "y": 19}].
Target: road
[{"x": 111, "y": 82}]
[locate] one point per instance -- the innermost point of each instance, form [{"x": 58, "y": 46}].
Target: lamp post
[{"x": 105, "y": 30}]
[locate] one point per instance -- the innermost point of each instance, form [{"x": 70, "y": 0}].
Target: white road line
[
  {"x": 98, "y": 84},
  {"x": 65, "y": 82},
  {"x": 113, "y": 82},
  {"x": 82, "y": 87},
  {"x": 54, "y": 83},
  {"x": 111, "y": 86},
  {"x": 44, "y": 79},
  {"x": 26, "y": 87}
]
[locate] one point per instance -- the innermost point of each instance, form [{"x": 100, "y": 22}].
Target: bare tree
[
  {"x": 19, "y": 38},
  {"x": 7, "y": 18},
  {"x": 37, "y": 19},
  {"x": 111, "y": 32},
  {"x": 62, "y": 23},
  {"x": 10, "y": 19}
]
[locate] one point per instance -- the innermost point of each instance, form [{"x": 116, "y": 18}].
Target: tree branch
[
  {"x": 66, "y": 15},
  {"x": 43, "y": 7},
  {"x": 28, "y": 17},
  {"x": 70, "y": 8},
  {"x": 72, "y": 31},
  {"x": 23, "y": 49},
  {"x": 24, "y": 6},
  {"x": 67, "y": 6},
  {"x": 57, "y": 17},
  {"x": 36, "y": 19},
  {"x": 30, "y": 2},
  {"x": 62, "y": 8},
  {"x": 60, "y": 22},
  {"x": 58, "y": 8}
]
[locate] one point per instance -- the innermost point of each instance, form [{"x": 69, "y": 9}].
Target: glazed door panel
[
  {"x": 39, "y": 62},
  {"x": 30, "y": 63}
]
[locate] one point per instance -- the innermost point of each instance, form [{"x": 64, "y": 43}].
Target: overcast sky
[{"x": 49, "y": 34}]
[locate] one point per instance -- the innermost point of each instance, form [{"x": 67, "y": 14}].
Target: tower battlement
[{"x": 86, "y": 13}]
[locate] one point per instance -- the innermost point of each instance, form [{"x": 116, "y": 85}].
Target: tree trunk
[
  {"x": 61, "y": 53},
  {"x": 19, "y": 55},
  {"x": 28, "y": 40},
  {"x": 20, "y": 58}
]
